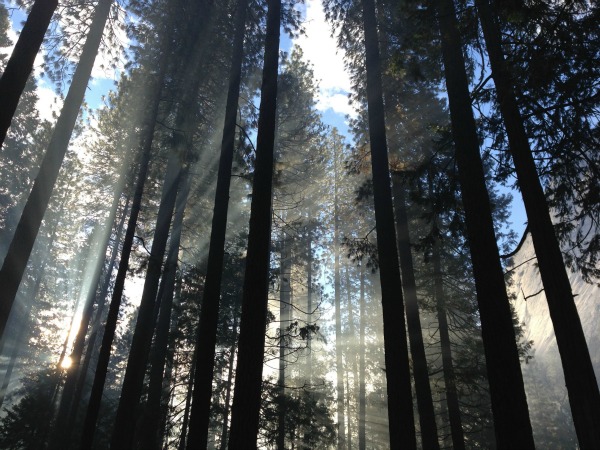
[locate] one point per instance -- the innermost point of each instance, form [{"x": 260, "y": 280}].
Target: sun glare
[{"x": 66, "y": 362}]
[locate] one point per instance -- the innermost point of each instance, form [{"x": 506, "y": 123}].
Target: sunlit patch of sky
[{"x": 320, "y": 49}]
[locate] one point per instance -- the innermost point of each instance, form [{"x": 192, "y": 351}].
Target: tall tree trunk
[
  {"x": 146, "y": 139},
  {"x": 429, "y": 435},
  {"x": 400, "y": 406},
  {"x": 209, "y": 315},
  {"x": 168, "y": 375},
  {"x": 37, "y": 202},
  {"x": 582, "y": 387},
  {"x": 362, "y": 400},
  {"x": 91, "y": 344},
  {"x": 458, "y": 439},
  {"x": 19, "y": 66},
  {"x": 509, "y": 404},
  {"x": 226, "y": 408},
  {"x": 309, "y": 292},
  {"x": 62, "y": 430},
  {"x": 133, "y": 380},
  {"x": 188, "y": 404},
  {"x": 248, "y": 382},
  {"x": 151, "y": 419},
  {"x": 339, "y": 364},
  {"x": 284, "y": 322}
]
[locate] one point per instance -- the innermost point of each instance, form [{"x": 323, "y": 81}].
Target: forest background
[{"x": 325, "y": 368}]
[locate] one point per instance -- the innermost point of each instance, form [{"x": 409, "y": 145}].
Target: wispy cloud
[{"x": 319, "y": 47}]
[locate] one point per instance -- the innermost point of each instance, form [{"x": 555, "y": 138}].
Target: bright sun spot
[{"x": 66, "y": 362}]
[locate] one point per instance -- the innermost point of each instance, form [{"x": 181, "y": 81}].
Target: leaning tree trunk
[
  {"x": 400, "y": 405},
  {"x": 209, "y": 315},
  {"x": 246, "y": 398},
  {"x": 429, "y": 435},
  {"x": 582, "y": 387},
  {"x": 62, "y": 430},
  {"x": 123, "y": 432},
  {"x": 509, "y": 404},
  {"x": 91, "y": 344},
  {"x": 19, "y": 66},
  {"x": 150, "y": 440},
  {"x": 146, "y": 139},
  {"x": 37, "y": 202}
]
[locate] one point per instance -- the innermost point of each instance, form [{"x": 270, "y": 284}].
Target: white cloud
[
  {"x": 320, "y": 48},
  {"x": 48, "y": 102}
]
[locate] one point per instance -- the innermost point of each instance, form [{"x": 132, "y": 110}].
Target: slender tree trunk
[
  {"x": 362, "y": 401},
  {"x": 188, "y": 404},
  {"x": 584, "y": 396},
  {"x": 509, "y": 404},
  {"x": 284, "y": 322},
  {"x": 309, "y": 305},
  {"x": 429, "y": 435},
  {"x": 146, "y": 138},
  {"x": 400, "y": 406},
  {"x": 133, "y": 380},
  {"x": 248, "y": 382},
  {"x": 458, "y": 439},
  {"x": 339, "y": 364},
  {"x": 37, "y": 202},
  {"x": 168, "y": 376},
  {"x": 209, "y": 315},
  {"x": 228, "y": 389},
  {"x": 91, "y": 344},
  {"x": 150, "y": 425},
  {"x": 62, "y": 430},
  {"x": 351, "y": 351},
  {"x": 19, "y": 66}
]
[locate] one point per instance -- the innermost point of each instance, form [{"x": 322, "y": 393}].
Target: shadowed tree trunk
[
  {"x": 37, "y": 202},
  {"x": 584, "y": 396},
  {"x": 150, "y": 440},
  {"x": 95, "y": 329},
  {"x": 247, "y": 390},
  {"x": 509, "y": 404},
  {"x": 285, "y": 298},
  {"x": 188, "y": 404},
  {"x": 209, "y": 315},
  {"x": 62, "y": 430},
  {"x": 146, "y": 139},
  {"x": 429, "y": 436},
  {"x": 19, "y": 66},
  {"x": 226, "y": 408},
  {"x": 400, "y": 406},
  {"x": 133, "y": 380}
]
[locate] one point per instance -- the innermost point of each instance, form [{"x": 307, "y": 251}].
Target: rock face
[{"x": 544, "y": 381}]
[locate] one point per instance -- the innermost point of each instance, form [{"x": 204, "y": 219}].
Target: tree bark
[
  {"x": 19, "y": 66},
  {"x": 429, "y": 435},
  {"x": 400, "y": 406},
  {"x": 209, "y": 315},
  {"x": 146, "y": 139},
  {"x": 582, "y": 386},
  {"x": 150, "y": 425},
  {"x": 509, "y": 404},
  {"x": 226, "y": 408},
  {"x": 284, "y": 322},
  {"x": 246, "y": 399},
  {"x": 339, "y": 365},
  {"x": 133, "y": 381},
  {"x": 62, "y": 430},
  {"x": 362, "y": 401},
  {"x": 37, "y": 202}
]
